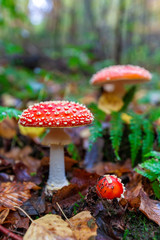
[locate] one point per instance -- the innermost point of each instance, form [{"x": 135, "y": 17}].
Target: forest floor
[{"x": 23, "y": 174}]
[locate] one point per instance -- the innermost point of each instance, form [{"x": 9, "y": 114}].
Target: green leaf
[
  {"x": 151, "y": 170},
  {"x": 73, "y": 151},
  {"x": 116, "y": 132},
  {"x": 156, "y": 188},
  {"x": 96, "y": 131},
  {"x": 99, "y": 114},
  {"x": 135, "y": 137},
  {"x": 148, "y": 137},
  {"x": 128, "y": 98},
  {"x": 8, "y": 112}
]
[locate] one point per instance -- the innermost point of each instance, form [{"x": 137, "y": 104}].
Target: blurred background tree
[{"x": 104, "y": 32}]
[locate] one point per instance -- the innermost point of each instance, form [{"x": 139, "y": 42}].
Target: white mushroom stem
[
  {"x": 116, "y": 88},
  {"x": 57, "y": 178},
  {"x": 56, "y": 139}
]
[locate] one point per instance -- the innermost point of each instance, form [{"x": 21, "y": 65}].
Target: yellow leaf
[
  {"x": 126, "y": 118},
  {"x": 49, "y": 227},
  {"x": 109, "y": 102},
  {"x": 52, "y": 227},
  {"x": 84, "y": 226},
  {"x": 31, "y": 131}
]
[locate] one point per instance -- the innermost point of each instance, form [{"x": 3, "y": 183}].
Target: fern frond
[
  {"x": 153, "y": 154},
  {"x": 148, "y": 137},
  {"x": 151, "y": 170},
  {"x": 116, "y": 132},
  {"x": 135, "y": 137},
  {"x": 96, "y": 131},
  {"x": 8, "y": 112},
  {"x": 128, "y": 98}
]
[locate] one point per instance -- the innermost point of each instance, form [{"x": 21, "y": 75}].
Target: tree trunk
[{"x": 119, "y": 31}]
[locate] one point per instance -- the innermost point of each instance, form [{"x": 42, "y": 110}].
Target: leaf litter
[{"x": 93, "y": 218}]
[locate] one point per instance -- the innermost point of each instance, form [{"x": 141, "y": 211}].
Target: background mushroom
[
  {"x": 113, "y": 79},
  {"x": 56, "y": 115}
]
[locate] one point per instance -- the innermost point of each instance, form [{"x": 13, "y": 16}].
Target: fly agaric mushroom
[
  {"x": 113, "y": 80},
  {"x": 56, "y": 115},
  {"x": 119, "y": 75},
  {"x": 110, "y": 187}
]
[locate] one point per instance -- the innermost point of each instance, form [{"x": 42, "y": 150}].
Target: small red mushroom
[
  {"x": 109, "y": 187},
  {"x": 56, "y": 115}
]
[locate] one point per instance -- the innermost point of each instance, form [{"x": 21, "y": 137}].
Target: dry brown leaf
[
  {"x": 13, "y": 193},
  {"x": 84, "y": 226},
  {"x": 8, "y": 128},
  {"x": 15, "y": 219},
  {"x": 150, "y": 207},
  {"x": 22, "y": 155},
  {"x": 49, "y": 227},
  {"x": 3, "y": 215},
  {"x": 113, "y": 168},
  {"x": 69, "y": 162},
  {"x": 132, "y": 193}
]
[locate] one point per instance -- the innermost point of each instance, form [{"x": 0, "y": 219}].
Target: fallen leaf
[
  {"x": 109, "y": 102},
  {"x": 49, "y": 227},
  {"x": 85, "y": 226},
  {"x": 126, "y": 118},
  {"x": 8, "y": 128},
  {"x": 31, "y": 132},
  {"x": 69, "y": 162},
  {"x": 113, "y": 168},
  {"x": 13, "y": 193},
  {"x": 3, "y": 215},
  {"x": 150, "y": 207},
  {"x": 132, "y": 193},
  {"x": 15, "y": 219},
  {"x": 82, "y": 177},
  {"x": 68, "y": 196}
]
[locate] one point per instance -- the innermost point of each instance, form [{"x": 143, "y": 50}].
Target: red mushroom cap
[
  {"x": 109, "y": 187},
  {"x": 56, "y": 114},
  {"x": 126, "y": 73}
]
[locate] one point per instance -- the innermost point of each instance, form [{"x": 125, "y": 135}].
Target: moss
[{"x": 138, "y": 226}]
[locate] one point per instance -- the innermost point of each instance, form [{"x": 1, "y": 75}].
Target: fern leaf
[
  {"x": 156, "y": 188},
  {"x": 153, "y": 154},
  {"x": 128, "y": 98},
  {"x": 151, "y": 170},
  {"x": 152, "y": 165},
  {"x": 96, "y": 131},
  {"x": 116, "y": 132},
  {"x": 135, "y": 137},
  {"x": 148, "y": 137},
  {"x": 151, "y": 176},
  {"x": 8, "y": 112}
]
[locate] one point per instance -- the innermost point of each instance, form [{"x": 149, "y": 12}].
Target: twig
[
  {"x": 64, "y": 215},
  {"x": 24, "y": 212},
  {"x": 9, "y": 233}
]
